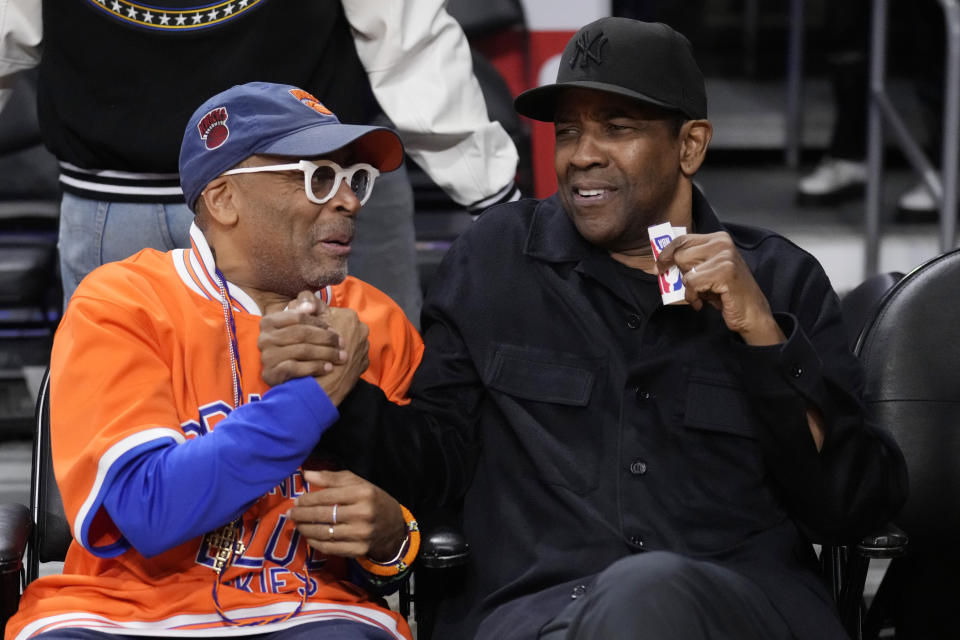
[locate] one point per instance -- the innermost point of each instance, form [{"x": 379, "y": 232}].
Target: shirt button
[
  {"x": 633, "y": 321},
  {"x": 638, "y": 467},
  {"x": 636, "y": 541},
  {"x": 578, "y": 591},
  {"x": 796, "y": 370}
]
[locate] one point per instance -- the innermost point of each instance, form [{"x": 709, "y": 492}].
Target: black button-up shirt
[{"x": 580, "y": 421}]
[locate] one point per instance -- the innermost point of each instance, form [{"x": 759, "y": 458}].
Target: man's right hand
[
  {"x": 346, "y": 323},
  {"x": 308, "y": 338}
]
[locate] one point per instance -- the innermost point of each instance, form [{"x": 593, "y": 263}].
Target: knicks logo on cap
[
  {"x": 213, "y": 127},
  {"x": 310, "y": 101}
]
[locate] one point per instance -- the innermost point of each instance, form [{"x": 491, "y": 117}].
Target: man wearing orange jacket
[{"x": 180, "y": 457}]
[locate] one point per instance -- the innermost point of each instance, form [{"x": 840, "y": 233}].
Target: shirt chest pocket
[
  {"x": 725, "y": 477},
  {"x": 719, "y": 435},
  {"x": 718, "y": 403},
  {"x": 545, "y": 397}
]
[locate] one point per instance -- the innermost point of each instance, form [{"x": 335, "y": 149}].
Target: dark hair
[
  {"x": 201, "y": 217},
  {"x": 675, "y": 123}
]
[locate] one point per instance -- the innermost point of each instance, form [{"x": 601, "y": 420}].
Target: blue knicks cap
[{"x": 276, "y": 119}]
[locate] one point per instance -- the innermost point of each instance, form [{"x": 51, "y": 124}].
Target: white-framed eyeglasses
[{"x": 322, "y": 178}]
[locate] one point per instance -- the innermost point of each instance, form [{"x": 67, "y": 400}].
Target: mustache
[{"x": 342, "y": 231}]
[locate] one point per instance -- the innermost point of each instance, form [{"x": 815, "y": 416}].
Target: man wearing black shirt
[{"x": 626, "y": 468}]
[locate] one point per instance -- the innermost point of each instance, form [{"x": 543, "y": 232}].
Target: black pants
[
  {"x": 915, "y": 47},
  {"x": 666, "y": 596}
]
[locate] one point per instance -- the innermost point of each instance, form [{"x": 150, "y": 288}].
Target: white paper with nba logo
[{"x": 671, "y": 283}]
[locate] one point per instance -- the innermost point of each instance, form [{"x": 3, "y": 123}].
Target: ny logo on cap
[{"x": 589, "y": 48}]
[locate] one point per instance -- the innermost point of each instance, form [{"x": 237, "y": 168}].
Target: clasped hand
[{"x": 306, "y": 337}]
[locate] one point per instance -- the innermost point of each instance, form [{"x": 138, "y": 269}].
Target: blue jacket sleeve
[{"x": 164, "y": 493}]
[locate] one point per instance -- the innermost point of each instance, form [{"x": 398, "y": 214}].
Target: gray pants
[{"x": 666, "y": 596}]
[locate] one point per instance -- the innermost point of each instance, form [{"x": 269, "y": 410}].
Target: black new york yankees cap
[{"x": 643, "y": 60}]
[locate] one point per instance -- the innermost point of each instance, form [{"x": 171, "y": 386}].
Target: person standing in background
[
  {"x": 117, "y": 81},
  {"x": 841, "y": 174}
]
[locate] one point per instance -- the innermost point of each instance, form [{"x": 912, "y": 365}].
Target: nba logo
[
  {"x": 678, "y": 285},
  {"x": 662, "y": 242},
  {"x": 671, "y": 282}
]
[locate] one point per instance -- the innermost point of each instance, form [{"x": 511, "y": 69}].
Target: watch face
[{"x": 174, "y": 16}]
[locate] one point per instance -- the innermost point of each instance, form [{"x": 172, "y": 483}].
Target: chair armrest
[
  {"x": 443, "y": 546},
  {"x": 15, "y": 526},
  {"x": 887, "y": 542},
  {"x": 848, "y": 570},
  {"x": 439, "y": 569}
]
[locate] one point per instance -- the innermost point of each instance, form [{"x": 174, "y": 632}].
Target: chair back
[
  {"x": 910, "y": 351},
  {"x": 51, "y": 534},
  {"x": 858, "y": 305}
]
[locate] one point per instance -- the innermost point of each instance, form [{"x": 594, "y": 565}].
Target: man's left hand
[
  {"x": 368, "y": 520},
  {"x": 714, "y": 273}
]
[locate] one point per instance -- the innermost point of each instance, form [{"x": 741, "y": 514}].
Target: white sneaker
[
  {"x": 834, "y": 179},
  {"x": 918, "y": 199}
]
